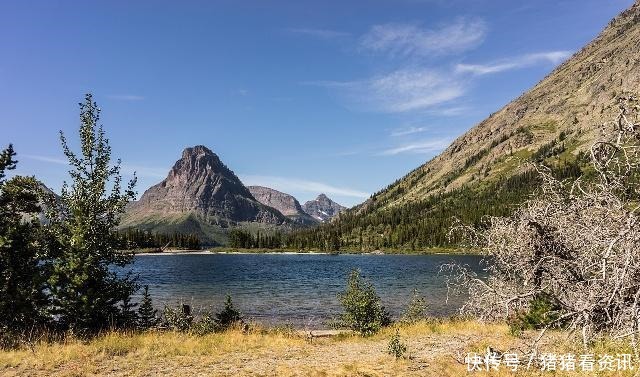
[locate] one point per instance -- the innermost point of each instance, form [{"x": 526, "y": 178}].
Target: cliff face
[{"x": 284, "y": 203}]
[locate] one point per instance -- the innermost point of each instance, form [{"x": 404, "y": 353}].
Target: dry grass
[{"x": 434, "y": 348}]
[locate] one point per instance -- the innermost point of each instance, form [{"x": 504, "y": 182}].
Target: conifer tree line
[
  {"x": 246, "y": 240},
  {"x": 132, "y": 239},
  {"x": 422, "y": 224},
  {"x": 58, "y": 274}
]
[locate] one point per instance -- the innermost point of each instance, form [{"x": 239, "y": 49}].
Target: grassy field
[{"x": 434, "y": 348}]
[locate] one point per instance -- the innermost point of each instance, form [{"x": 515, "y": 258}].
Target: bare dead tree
[{"x": 576, "y": 243}]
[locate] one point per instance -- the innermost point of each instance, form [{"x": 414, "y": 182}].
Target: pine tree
[
  {"x": 228, "y": 316},
  {"x": 22, "y": 298},
  {"x": 87, "y": 293},
  {"x": 147, "y": 315}
]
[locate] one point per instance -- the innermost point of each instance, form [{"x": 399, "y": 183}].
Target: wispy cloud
[
  {"x": 409, "y": 39},
  {"x": 319, "y": 33},
  {"x": 286, "y": 184},
  {"x": 450, "y": 111},
  {"x": 125, "y": 97},
  {"x": 53, "y": 160},
  {"x": 553, "y": 57},
  {"x": 408, "y": 131},
  {"x": 141, "y": 171},
  {"x": 400, "y": 91},
  {"x": 419, "y": 147}
]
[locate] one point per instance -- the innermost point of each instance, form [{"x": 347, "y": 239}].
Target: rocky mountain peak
[
  {"x": 322, "y": 208},
  {"x": 285, "y": 203},
  {"x": 198, "y": 162},
  {"x": 200, "y": 184}
]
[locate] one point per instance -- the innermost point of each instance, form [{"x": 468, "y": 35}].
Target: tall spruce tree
[
  {"x": 87, "y": 293},
  {"x": 22, "y": 297},
  {"x": 147, "y": 315}
]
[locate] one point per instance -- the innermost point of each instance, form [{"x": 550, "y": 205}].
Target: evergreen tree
[
  {"x": 22, "y": 297},
  {"x": 147, "y": 315},
  {"x": 87, "y": 293},
  {"x": 228, "y": 316}
]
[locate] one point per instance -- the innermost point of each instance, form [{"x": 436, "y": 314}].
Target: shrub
[
  {"x": 9, "y": 339},
  {"x": 228, "y": 316},
  {"x": 542, "y": 312},
  {"x": 396, "y": 347},
  {"x": 571, "y": 251},
  {"x": 177, "y": 318},
  {"x": 206, "y": 324},
  {"x": 416, "y": 310},
  {"x": 363, "y": 311}
]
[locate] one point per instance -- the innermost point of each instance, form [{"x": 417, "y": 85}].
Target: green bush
[
  {"x": 205, "y": 324},
  {"x": 177, "y": 318},
  {"x": 542, "y": 312},
  {"x": 204, "y": 321},
  {"x": 396, "y": 347},
  {"x": 416, "y": 310},
  {"x": 363, "y": 311},
  {"x": 228, "y": 316}
]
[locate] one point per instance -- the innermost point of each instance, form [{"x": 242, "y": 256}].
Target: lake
[{"x": 297, "y": 289}]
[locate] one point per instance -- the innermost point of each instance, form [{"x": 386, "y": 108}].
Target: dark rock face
[
  {"x": 322, "y": 208},
  {"x": 200, "y": 183},
  {"x": 284, "y": 203}
]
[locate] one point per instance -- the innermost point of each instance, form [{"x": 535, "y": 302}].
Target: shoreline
[{"x": 289, "y": 252}]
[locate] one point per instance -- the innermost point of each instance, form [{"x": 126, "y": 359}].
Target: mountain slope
[
  {"x": 574, "y": 100},
  {"x": 284, "y": 203},
  {"x": 200, "y": 195},
  {"x": 322, "y": 208},
  {"x": 483, "y": 172}
]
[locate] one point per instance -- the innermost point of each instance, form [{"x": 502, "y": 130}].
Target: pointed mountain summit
[
  {"x": 285, "y": 203},
  {"x": 201, "y": 195},
  {"x": 322, "y": 208}
]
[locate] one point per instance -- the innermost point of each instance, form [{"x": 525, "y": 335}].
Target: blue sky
[{"x": 305, "y": 97}]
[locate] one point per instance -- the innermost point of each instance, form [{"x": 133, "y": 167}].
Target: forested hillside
[{"x": 486, "y": 171}]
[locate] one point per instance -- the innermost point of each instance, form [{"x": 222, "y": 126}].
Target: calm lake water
[{"x": 294, "y": 288}]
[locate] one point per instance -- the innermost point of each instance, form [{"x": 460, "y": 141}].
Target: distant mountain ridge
[
  {"x": 284, "y": 203},
  {"x": 322, "y": 208},
  {"x": 202, "y": 196}
]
